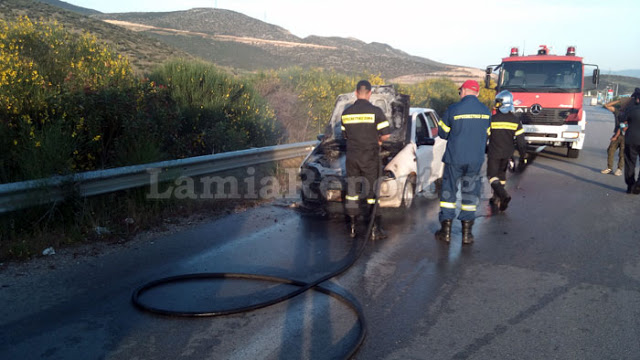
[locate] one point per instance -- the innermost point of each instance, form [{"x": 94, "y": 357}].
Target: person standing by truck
[
  {"x": 365, "y": 127},
  {"x": 617, "y": 140},
  {"x": 505, "y": 126},
  {"x": 465, "y": 126},
  {"x": 632, "y": 143}
]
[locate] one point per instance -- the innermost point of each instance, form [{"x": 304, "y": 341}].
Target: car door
[
  {"x": 437, "y": 150},
  {"x": 424, "y": 152}
]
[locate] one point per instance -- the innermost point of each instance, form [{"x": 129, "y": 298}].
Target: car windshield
[{"x": 541, "y": 76}]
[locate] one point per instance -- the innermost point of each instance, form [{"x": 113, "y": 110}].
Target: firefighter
[
  {"x": 632, "y": 143},
  {"x": 505, "y": 126},
  {"x": 365, "y": 127},
  {"x": 465, "y": 126}
]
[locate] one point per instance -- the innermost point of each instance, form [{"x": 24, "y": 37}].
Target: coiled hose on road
[{"x": 302, "y": 287}]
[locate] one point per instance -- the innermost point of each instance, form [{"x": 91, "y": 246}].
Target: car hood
[
  {"x": 394, "y": 105},
  {"x": 327, "y": 164}
]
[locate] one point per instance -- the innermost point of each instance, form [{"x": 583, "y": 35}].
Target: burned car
[{"x": 411, "y": 158}]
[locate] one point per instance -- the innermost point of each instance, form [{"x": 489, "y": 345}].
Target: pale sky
[{"x": 459, "y": 32}]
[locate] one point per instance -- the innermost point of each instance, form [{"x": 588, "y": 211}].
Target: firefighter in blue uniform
[
  {"x": 505, "y": 126},
  {"x": 365, "y": 127},
  {"x": 465, "y": 125}
]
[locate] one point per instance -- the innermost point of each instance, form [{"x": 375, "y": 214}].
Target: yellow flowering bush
[{"x": 43, "y": 68}]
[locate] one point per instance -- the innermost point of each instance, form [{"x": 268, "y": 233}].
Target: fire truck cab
[{"x": 547, "y": 94}]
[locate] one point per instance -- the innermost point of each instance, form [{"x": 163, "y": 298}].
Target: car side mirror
[
  {"x": 426, "y": 141},
  {"x": 320, "y": 137},
  {"x": 596, "y": 76}
]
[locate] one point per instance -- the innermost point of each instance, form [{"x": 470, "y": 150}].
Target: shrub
[
  {"x": 43, "y": 71},
  {"x": 313, "y": 92},
  {"x": 221, "y": 113},
  {"x": 437, "y": 94}
]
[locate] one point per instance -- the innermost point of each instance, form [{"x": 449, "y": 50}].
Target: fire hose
[{"x": 355, "y": 252}]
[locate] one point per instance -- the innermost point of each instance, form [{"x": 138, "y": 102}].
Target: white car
[
  {"x": 412, "y": 157},
  {"x": 418, "y": 167}
]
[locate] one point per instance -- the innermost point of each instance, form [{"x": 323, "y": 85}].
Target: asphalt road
[{"x": 555, "y": 277}]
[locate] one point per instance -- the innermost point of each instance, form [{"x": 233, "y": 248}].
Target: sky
[{"x": 459, "y": 32}]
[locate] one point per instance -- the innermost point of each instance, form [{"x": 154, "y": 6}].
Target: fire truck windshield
[{"x": 541, "y": 76}]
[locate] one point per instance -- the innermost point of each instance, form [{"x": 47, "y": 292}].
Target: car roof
[{"x": 414, "y": 110}]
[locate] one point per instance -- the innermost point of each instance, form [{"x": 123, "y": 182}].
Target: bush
[
  {"x": 437, "y": 94},
  {"x": 44, "y": 69},
  {"x": 220, "y": 112},
  {"x": 312, "y": 92}
]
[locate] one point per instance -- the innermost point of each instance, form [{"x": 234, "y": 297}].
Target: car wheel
[
  {"x": 573, "y": 153},
  {"x": 308, "y": 203},
  {"x": 408, "y": 193}
]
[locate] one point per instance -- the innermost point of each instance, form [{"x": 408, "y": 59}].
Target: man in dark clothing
[
  {"x": 365, "y": 127},
  {"x": 504, "y": 127},
  {"x": 465, "y": 125},
  {"x": 632, "y": 143},
  {"x": 617, "y": 140}
]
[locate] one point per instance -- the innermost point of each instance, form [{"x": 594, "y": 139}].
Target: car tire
[
  {"x": 573, "y": 153},
  {"x": 307, "y": 203},
  {"x": 408, "y": 193}
]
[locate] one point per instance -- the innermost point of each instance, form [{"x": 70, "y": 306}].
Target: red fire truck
[{"x": 547, "y": 94}]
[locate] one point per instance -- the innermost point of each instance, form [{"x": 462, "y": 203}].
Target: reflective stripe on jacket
[
  {"x": 362, "y": 124},
  {"x": 504, "y": 128},
  {"x": 465, "y": 125}
]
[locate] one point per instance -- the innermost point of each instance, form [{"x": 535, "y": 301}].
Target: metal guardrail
[{"x": 20, "y": 195}]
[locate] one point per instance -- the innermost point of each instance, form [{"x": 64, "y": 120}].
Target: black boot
[
  {"x": 444, "y": 234},
  {"x": 377, "y": 233},
  {"x": 502, "y": 194},
  {"x": 504, "y": 202},
  {"x": 352, "y": 226},
  {"x": 467, "y": 236},
  {"x": 494, "y": 202}
]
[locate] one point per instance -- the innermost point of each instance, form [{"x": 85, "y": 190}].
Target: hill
[
  {"x": 143, "y": 52},
  {"x": 630, "y": 72},
  {"x": 235, "y": 40},
  {"x": 70, "y": 7},
  {"x": 624, "y": 85}
]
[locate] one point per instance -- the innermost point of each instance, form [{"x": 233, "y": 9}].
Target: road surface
[{"x": 555, "y": 277}]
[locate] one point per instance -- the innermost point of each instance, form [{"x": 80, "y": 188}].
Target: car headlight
[
  {"x": 389, "y": 174},
  {"x": 334, "y": 195},
  {"x": 570, "y": 134}
]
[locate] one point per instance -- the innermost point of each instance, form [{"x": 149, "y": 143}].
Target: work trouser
[
  {"x": 497, "y": 174},
  {"x": 470, "y": 187},
  {"x": 363, "y": 170},
  {"x": 631, "y": 152},
  {"x": 611, "y": 152}
]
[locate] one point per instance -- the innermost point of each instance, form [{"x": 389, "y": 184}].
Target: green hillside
[
  {"x": 228, "y": 39},
  {"x": 67, "y": 6},
  {"x": 144, "y": 52},
  {"x": 235, "y": 40}
]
